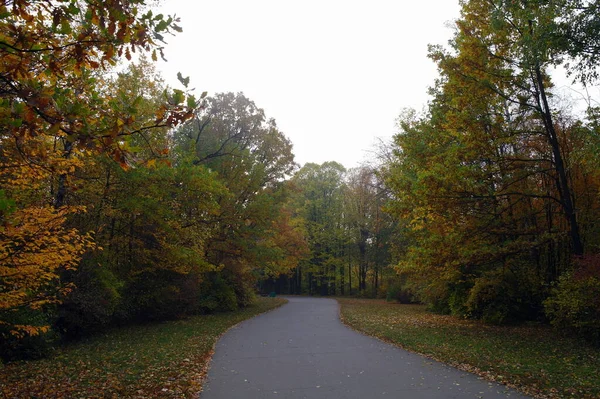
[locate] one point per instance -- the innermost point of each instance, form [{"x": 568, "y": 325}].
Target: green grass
[
  {"x": 535, "y": 359},
  {"x": 166, "y": 360}
]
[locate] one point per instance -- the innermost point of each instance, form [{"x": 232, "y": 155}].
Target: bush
[
  {"x": 458, "y": 297},
  {"x": 92, "y": 303},
  {"x": 217, "y": 295},
  {"x": 239, "y": 276},
  {"x": 488, "y": 300},
  {"x": 504, "y": 298},
  {"x": 14, "y": 347},
  {"x": 574, "y": 303},
  {"x": 159, "y": 294},
  {"x": 396, "y": 290}
]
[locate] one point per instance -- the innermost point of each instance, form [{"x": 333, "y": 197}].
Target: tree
[
  {"x": 364, "y": 199},
  {"x": 55, "y": 116},
  {"x": 153, "y": 221},
  {"x": 251, "y": 158},
  {"x": 486, "y": 180},
  {"x": 576, "y": 36}
]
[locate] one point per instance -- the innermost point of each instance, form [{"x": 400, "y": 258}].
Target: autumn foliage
[
  {"x": 111, "y": 208},
  {"x": 497, "y": 182},
  {"x": 124, "y": 200}
]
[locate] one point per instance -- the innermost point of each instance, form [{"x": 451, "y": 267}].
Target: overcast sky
[{"x": 334, "y": 74}]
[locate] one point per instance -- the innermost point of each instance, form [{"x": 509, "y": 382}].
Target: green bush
[
  {"x": 488, "y": 300},
  {"x": 159, "y": 294},
  {"x": 238, "y": 275},
  {"x": 92, "y": 303},
  {"x": 458, "y": 297},
  {"x": 574, "y": 302},
  {"x": 396, "y": 290},
  {"x": 504, "y": 297},
  {"x": 217, "y": 294},
  {"x": 29, "y": 346}
]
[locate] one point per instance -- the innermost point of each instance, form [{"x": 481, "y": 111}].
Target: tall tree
[
  {"x": 251, "y": 157},
  {"x": 54, "y": 116},
  {"x": 485, "y": 180}
]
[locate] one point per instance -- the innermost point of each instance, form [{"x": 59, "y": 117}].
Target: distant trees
[
  {"x": 255, "y": 234},
  {"x": 345, "y": 226},
  {"x": 319, "y": 204}
]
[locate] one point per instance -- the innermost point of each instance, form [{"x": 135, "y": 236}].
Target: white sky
[{"x": 334, "y": 74}]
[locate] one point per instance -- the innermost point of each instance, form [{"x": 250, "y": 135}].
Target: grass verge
[
  {"x": 166, "y": 360},
  {"x": 534, "y": 359}
]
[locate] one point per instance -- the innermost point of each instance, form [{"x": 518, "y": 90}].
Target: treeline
[
  {"x": 497, "y": 183},
  {"x": 123, "y": 200},
  {"x": 486, "y": 204}
]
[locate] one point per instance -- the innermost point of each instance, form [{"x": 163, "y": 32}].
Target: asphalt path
[{"x": 302, "y": 350}]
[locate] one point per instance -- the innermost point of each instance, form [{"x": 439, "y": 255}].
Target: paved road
[{"x": 302, "y": 350}]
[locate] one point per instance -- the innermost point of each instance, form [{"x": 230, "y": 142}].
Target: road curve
[{"x": 302, "y": 350}]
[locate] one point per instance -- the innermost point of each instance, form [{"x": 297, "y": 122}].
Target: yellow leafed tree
[
  {"x": 35, "y": 246},
  {"x": 55, "y": 117}
]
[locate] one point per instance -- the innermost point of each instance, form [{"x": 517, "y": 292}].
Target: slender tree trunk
[
  {"x": 131, "y": 232},
  {"x": 342, "y": 282},
  {"x": 565, "y": 193},
  {"x": 349, "y": 277},
  {"x": 362, "y": 248},
  {"x": 61, "y": 190}
]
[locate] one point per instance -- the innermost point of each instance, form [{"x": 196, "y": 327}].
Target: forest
[{"x": 124, "y": 200}]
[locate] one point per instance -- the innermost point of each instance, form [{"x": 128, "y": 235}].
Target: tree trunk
[
  {"x": 362, "y": 271},
  {"x": 565, "y": 193},
  {"x": 342, "y": 282},
  {"x": 349, "y": 277},
  {"x": 61, "y": 190}
]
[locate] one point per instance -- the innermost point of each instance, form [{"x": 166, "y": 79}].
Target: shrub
[
  {"x": 397, "y": 290},
  {"x": 239, "y": 276},
  {"x": 458, "y": 297},
  {"x": 217, "y": 295},
  {"x": 14, "y": 347},
  {"x": 574, "y": 302},
  {"x": 159, "y": 294},
  {"x": 504, "y": 297},
  {"x": 92, "y": 303}
]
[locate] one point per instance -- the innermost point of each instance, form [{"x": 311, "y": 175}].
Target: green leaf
[
  {"x": 65, "y": 28},
  {"x": 191, "y": 102},
  {"x": 162, "y": 25},
  {"x": 184, "y": 81},
  {"x": 73, "y": 9},
  {"x": 178, "y": 96}
]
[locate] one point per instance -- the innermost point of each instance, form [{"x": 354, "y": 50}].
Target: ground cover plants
[
  {"x": 166, "y": 360},
  {"x": 535, "y": 359}
]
